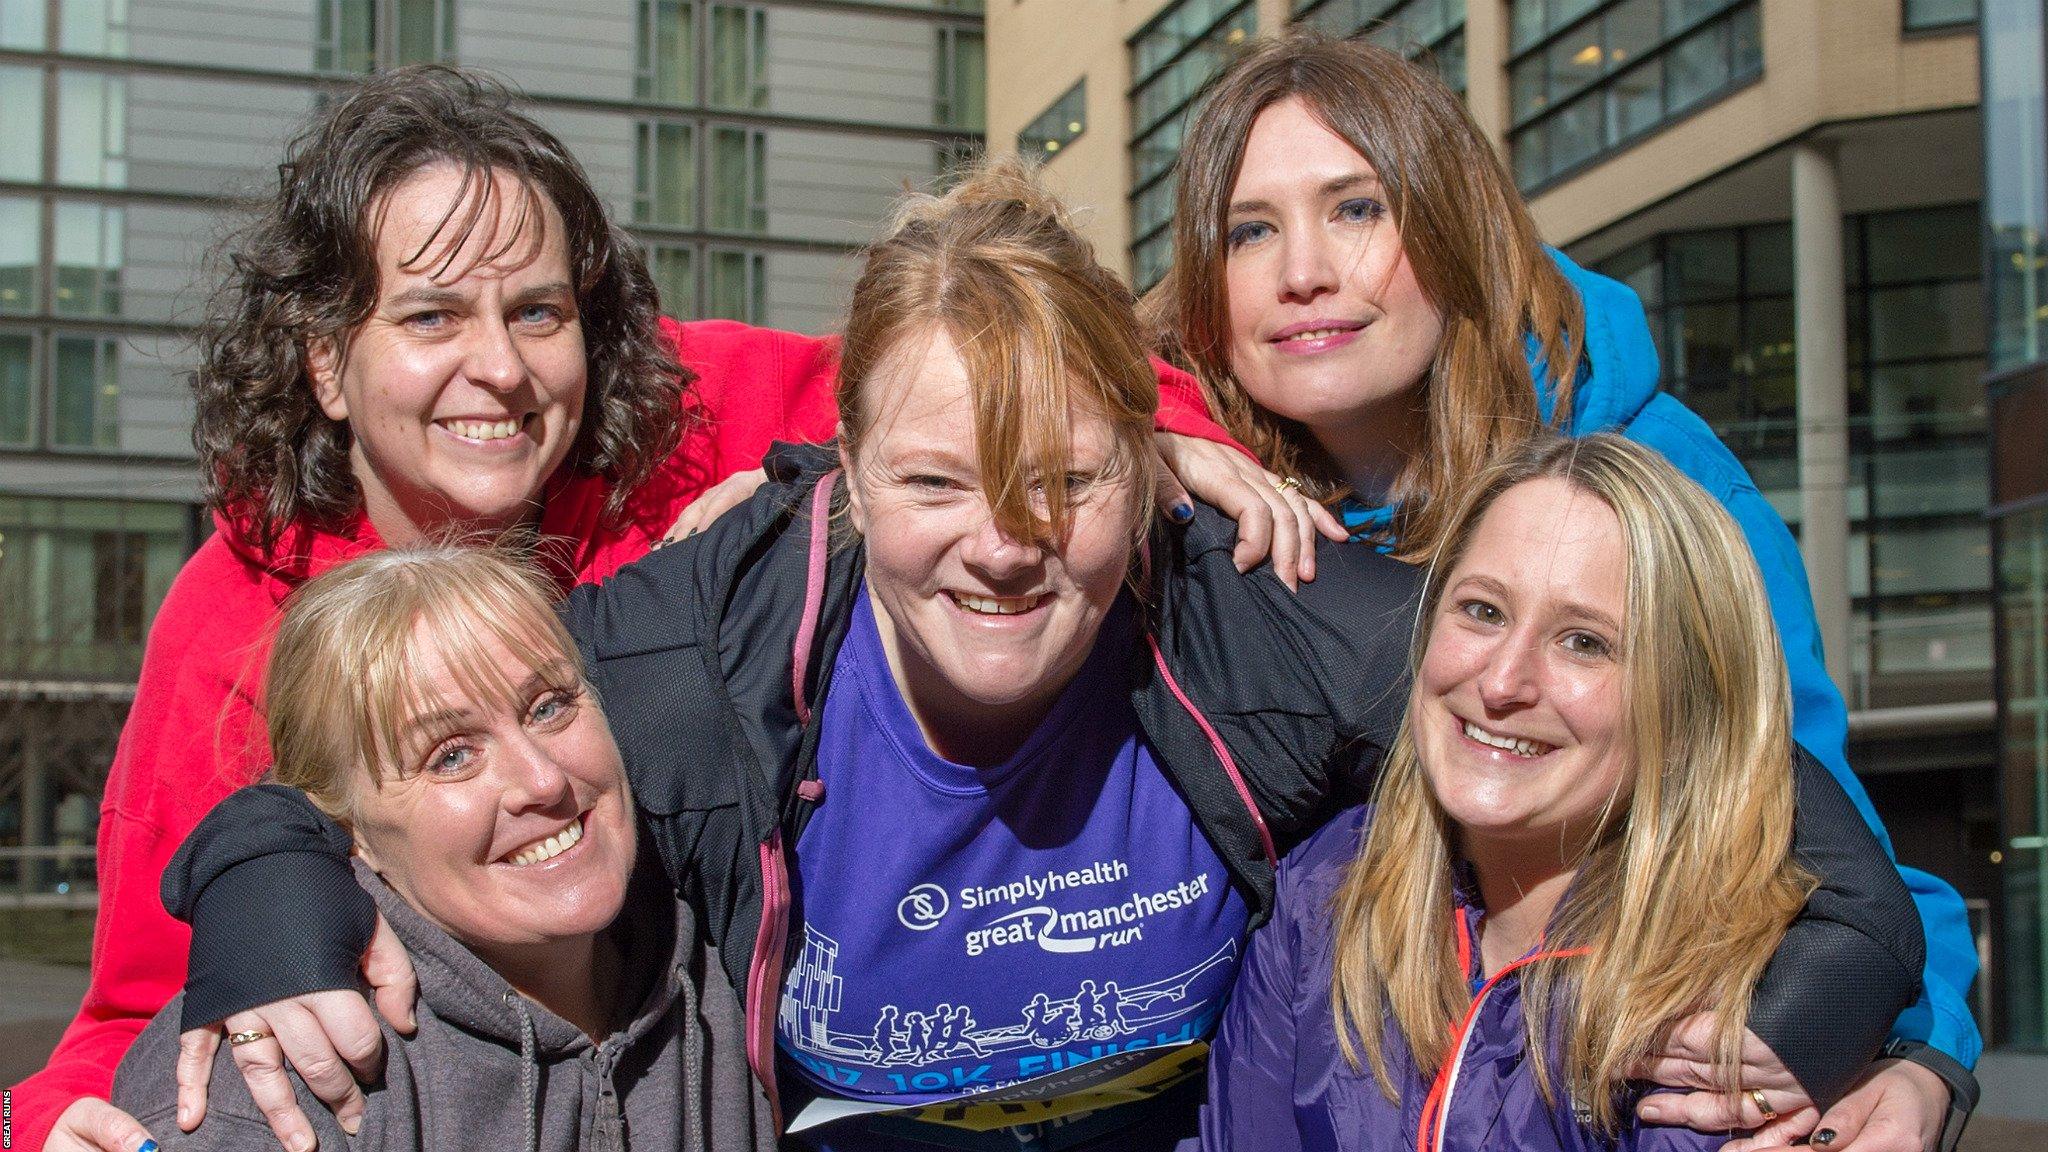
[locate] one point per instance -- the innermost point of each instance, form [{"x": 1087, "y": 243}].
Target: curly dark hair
[{"x": 305, "y": 270}]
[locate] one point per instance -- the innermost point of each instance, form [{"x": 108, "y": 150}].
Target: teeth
[
  {"x": 992, "y": 606},
  {"x": 483, "y": 429},
  {"x": 1317, "y": 334},
  {"x": 551, "y": 847},
  {"x": 1513, "y": 744}
]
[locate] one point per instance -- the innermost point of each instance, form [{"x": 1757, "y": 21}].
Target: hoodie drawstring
[{"x": 529, "y": 1069}]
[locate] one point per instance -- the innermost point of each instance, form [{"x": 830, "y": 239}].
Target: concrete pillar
[{"x": 1820, "y": 310}]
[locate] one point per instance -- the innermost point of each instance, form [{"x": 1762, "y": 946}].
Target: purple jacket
[{"x": 1278, "y": 1081}]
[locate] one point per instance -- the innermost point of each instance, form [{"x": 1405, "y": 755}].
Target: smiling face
[
  {"x": 1328, "y": 325},
  {"x": 463, "y": 390},
  {"x": 1519, "y": 711},
  {"x": 506, "y": 822},
  {"x": 983, "y": 631}
]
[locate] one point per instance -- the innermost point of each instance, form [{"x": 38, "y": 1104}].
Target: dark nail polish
[
  {"x": 1183, "y": 512},
  {"x": 1823, "y": 1138},
  {"x": 690, "y": 533},
  {"x": 147, "y": 1146}
]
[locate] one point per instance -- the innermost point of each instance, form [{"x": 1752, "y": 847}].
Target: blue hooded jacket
[
  {"x": 1279, "y": 1083},
  {"x": 1617, "y": 391}
]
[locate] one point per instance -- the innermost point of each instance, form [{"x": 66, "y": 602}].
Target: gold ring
[
  {"x": 237, "y": 1039},
  {"x": 1288, "y": 484},
  {"x": 1756, "y": 1097}
]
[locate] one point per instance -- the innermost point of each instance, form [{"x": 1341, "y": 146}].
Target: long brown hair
[
  {"x": 1685, "y": 891},
  {"x": 1042, "y": 328},
  {"x": 1467, "y": 234},
  {"x": 305, "y": 270}
]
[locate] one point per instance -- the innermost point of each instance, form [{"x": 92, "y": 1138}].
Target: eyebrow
[
  {"x": 1350, "y": 181},
  {"x": 1573, "y": 609},
  {"x": 426, "y": 294}
]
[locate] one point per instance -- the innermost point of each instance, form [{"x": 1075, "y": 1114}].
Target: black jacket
[{"x": 695, "y": 653}]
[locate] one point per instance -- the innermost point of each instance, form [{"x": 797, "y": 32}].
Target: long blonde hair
[
  {"x": 1041, "y": 327},
  {"x": 1683, "y": 895},
  {"x": 1474, "y": 247},
  {"x": 347, "y": 667}
]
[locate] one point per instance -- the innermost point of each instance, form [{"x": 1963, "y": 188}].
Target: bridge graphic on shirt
[{"x": 917, "y": 1035}]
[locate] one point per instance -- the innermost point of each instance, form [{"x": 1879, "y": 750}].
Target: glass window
[
  {"x": 667, "y": 52},
  {"x": 92, "y": 130},
  {"x": 17, "y": 389},
  {"x": 426, "y": 31},
  {"x": 665, "y": 175},
  {"x": 82, "y": 581},
  {"x": 962, "y": 79},
  {"x": 1171, "y": 59},
  {"x": 1152, "y": 208},
  {"x": 1924, "y": 244},
  {"x": 1767, "y": 258},
  {"x": 1705, "y": 342},
  {"x": 739, "y": 56},
  {"x": 88, "y": 260},
  {"x": 22, "y": 24},
  {"x": 2015, "y": 105},
  {"x": 737, "y": 288},
  {"x": 345, "y": 35},
  {"x": 1939, "y": 13},
  {"x": 21, "y": 244},
  {"x": 1926, "y": 320},
  {"x": 1703, "y": 265},
  {"x": 739, "y": 180},
  {"x": 21, "y": 129},
  {"x": 673, "y": 267},
  {"x": 1150, "y": 258},
  {"x": 1157, "y": 150},
  {"x": 86, "y": 412},
  {"x": 95, "y": 27},
  {"x": 1057, "y": 126},
  {"x": 1651, "y": 59}
]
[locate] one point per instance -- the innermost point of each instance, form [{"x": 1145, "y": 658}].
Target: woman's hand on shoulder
[
  {"x": 331, "y": 1039},
  {"x": 1772, "y": 1105},
  {"x": 714, "y": 502},
  {"x": 1895, "y": 1106},
  {"x": 1273, "y": 518},
  {"x": 90, "y": 1124}
]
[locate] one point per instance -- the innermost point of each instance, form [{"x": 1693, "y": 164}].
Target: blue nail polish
[
  {"x": 1183, "y": 512},
  {"x": 147, "y": 1146}
]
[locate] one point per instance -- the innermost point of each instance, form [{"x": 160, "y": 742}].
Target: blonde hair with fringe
[
  {"x": 1043, "y": 330},
  {"x": 349, "y": 663},
  {"x": 1466, "y": 232},
  {"x": 1683, "y": 894}
]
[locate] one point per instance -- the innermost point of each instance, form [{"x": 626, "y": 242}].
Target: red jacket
[{"x": 193, "y": 734}]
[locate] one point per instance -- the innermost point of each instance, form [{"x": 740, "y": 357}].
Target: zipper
[
  {"x": 764, "y": 977},
  {"x": 1244, "y": 792}
]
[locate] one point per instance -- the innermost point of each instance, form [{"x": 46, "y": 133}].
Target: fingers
[
  {"x": 1849, "y": 1122},
  {"x": 389, "y": 972},
  {"x": 89, "y": 1123},
  {"x": 1780, "y": 1133},
  {"x": 1707, "y": 1111},
  {"x": 1897, "y": 1106},
  {"x": 331, "y": 1039},
  {"x": 1172, "y": 497},
  {"x": 262, "y": 1065},
  {"x": 716, "y": 501},
  {"x": 1305, "y": 534},
  {"x": 1328, "y": 523},
  {"x": 195, "y": 1072}
]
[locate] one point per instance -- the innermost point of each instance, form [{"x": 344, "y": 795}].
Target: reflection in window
[
  {"x": 21, "y": 129},
  {"x": 737, "y": 286},
  {"x": 739, "y": 56},
  {"x": 667, "y": 46},
  {"x": 426, "y": 31},
  {"x": 86, "y": 408},
  {"x": 961, "y": 98},
  {"x": 88, "y": 260},
  {"x": 21, "y": 230},
  {"x": 1591, "y": 76},
  {"x": 664, "y": 175},
  {"x": 1431, "y": 31},
  {"x": 739, "y": 179},
  {"x": 2015, "y": 108},
  {"x": 17, "y": 389},
  {"x": 92, "y": 130},
  {"x": 1057, "y": 126},
  {"x": 81, "y": 582}
]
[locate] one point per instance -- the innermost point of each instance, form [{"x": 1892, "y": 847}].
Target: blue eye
[
  {"x": 1248, "y": 232},
  {"x": 451, "y": 760},
  {"x": 539, "y": 314},
  {"x": 427, "y": 320},
  {"x": 1361, "y": 210},
  {"x": 552, "y": 708}
]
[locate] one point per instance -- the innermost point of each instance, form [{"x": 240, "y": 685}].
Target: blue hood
[{"x": 1620, "y": 355}]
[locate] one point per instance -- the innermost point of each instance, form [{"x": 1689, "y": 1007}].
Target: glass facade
[
  {"x": 1720, "y": 306},
  {"x": 1057, "y": 126},
  {"x": 1587, "y": 77},
  {"x": 1172, "y": 57},
  {"x": 2012, "y": 45},
  {"x": 1925, "y": 14},
  {"x": 751, "y": 147},
  {"x": 1432, "y": 31}
]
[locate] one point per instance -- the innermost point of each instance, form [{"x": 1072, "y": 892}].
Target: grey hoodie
[{"x": 489, "y": 1068}]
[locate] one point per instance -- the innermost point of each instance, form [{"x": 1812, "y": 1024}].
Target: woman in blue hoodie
[
  {"x": 1552, "y": 869},
  {"x": 1364, "y": 297}
]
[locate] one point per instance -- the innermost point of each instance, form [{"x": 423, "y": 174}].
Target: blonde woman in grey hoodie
[{"x": 430, "y": 701}]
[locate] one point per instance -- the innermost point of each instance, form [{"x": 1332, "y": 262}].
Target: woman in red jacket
[{"x": 432, "y": 329}]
